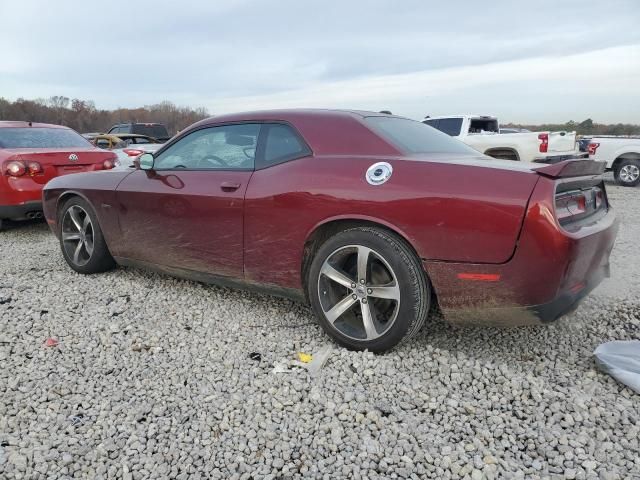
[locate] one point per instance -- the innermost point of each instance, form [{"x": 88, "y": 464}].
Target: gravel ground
[{"x": 152, "y": 379}]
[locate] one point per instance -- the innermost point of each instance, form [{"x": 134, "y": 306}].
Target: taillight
[
  {"x": 599, "y": 198},
  {"x": 578, "y": 204},
  {"x": 107, "y": 164},
  {"x": 15, "y": 168},
  {"x": 34, "y": 168},
  {"x": 592, "y": 148},
  {"x": 133, "y": 152},
  {"x": 544, "y": 142},
  {"x": 570, "y": 204}
]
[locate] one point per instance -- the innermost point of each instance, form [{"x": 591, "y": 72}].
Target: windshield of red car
[
  {"x": 38, "y": 137},
  {"x": 416, "y": 137}
]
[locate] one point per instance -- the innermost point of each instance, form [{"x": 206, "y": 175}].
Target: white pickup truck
[
  {"x": 622, "y": 156},
  {"x": 483, "y": 134}
]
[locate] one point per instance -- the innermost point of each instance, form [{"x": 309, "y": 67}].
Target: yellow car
[{"x": 110, "y": 141}]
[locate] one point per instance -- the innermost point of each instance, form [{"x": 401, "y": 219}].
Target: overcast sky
[{"x": 524, "y": 61}]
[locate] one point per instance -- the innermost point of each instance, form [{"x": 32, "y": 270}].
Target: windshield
[
  {"x": 416, "y": 137},
  {"x": 155, "y": 131},
  {"x": 37, "y": 137}
]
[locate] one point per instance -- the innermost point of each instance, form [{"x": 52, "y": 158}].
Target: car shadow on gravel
[
  {"x": 570, "y": 339},
  {"x": 8, "y": 225}
]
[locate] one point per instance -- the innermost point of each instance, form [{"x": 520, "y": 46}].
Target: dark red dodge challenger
[{"x": 369, "y": 217}]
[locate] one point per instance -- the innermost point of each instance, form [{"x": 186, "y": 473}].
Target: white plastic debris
[
  {"x": 319, "y": 360},
  {"x": 313, "y": 365},
  {"x": 621, "y": 360}
]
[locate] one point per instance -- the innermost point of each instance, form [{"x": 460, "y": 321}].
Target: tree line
[
  {"x": 84, "y": 117},
  {"x": 586, "y": 127}
]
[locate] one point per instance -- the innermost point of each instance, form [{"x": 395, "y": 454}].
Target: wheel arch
[
  {"x": 330, "y": 226},
  {"x": 506, "y": 150},
  {"x": 629, "y": 155},
  {"x": 65, "y": 196}
]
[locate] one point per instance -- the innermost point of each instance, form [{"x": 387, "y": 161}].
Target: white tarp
[{"x": 621, "y": 360}]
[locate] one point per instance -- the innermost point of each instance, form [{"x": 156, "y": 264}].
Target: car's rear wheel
[
  {"x": 368, "y": 289},
  {"x": 627, "y": 172},
  {"x": 81, "y": 239}
]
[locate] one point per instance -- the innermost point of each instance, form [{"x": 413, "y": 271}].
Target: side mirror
[{"x": 146, "y": 161}]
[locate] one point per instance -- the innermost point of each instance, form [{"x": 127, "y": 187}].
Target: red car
[
  {"x": 31, "y": 154},
  {"x": 371, "y": 218}
]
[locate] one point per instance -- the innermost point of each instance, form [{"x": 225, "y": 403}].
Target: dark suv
[{"x": 155, "y": 130}]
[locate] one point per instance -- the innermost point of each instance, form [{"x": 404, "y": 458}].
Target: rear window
[
  {"x": 36, "y": 137},
  {"x": 480, "y": 125},
  {"x": 450, "y": 126},
  {"x": 155, "y": 131},
  {"x": 415, "y": 137}
]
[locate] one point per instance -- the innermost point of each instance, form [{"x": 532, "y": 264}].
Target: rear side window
[
  {"x": 36, "y": 137},
  {"x": 416, "y": 137},
  {"x": 282, "y": 143}
]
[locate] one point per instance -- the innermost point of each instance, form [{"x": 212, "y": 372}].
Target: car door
[{"x": 187, "y": 212}]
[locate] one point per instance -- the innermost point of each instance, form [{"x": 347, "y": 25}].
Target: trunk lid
[{"x": 562, "y": 142}]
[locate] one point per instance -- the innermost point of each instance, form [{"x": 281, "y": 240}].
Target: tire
[
  {"x": 627, "y": 172},
  {"x": 396, "y": 294},
  {"x": 81, "y": 239}
]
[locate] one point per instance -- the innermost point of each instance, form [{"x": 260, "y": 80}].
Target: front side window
[
  {"x": 415, "y": 137},
  {"x": 37, "y": 137},
  {"x": 282, "y": 144},
  {"x": 228, "y": 147}
]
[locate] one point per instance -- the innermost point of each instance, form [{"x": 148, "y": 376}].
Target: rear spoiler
[{"x": 572, "y": 168}]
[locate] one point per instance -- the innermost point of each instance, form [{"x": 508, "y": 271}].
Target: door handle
[{"x": 229, "y": 186}]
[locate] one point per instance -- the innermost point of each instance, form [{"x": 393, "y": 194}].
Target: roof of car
[
  {"x": 136, "y": 123},
  {"x": 124, "y": 135},
  {"x": 475, "y": 117},
  {"x": 290, "y": 114},
  {"x": 21, "y": 124}
]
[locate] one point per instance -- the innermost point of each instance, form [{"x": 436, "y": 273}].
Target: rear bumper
[
  {"x": 19, "y": 197},
  {"x": 21, "y": 211},
  {"x": 548, "y": 312},
  {"x": 550, "y": 272}
]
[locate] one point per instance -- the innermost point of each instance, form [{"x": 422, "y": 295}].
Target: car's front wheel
[
  {"x": 627, "y": 172},
  {"x": 81, "y": 239},
  {"x": 368, "y": 289}
]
